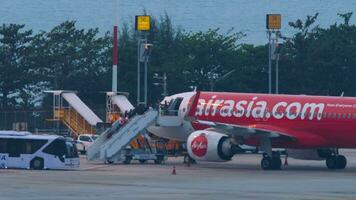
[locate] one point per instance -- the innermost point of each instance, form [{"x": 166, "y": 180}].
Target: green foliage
[
  {"x": 313, "y": 61},
  {"x": 17, "y": 74}
]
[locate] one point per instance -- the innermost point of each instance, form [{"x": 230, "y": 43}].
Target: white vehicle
[
  {"x": 84, "y": 141},
  {"x": 25, "y": 150}
]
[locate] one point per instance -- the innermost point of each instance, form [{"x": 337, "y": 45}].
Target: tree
[
  {"x": 17, "y": 74},
  {"x": 208, "y": 56}
]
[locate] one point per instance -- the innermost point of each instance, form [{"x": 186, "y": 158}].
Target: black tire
[
  {"x": 159, "y": 160},
  {"x": 127, "y": 160},
  {"x": 341, "y": 162},
  {"x": 142, "y": 161},
  {"x": 110, "y": 162},
  {"x": 266, "y": 163},
  {"x": 37, "y": 163},
  {"x": 331, "y": 162}
]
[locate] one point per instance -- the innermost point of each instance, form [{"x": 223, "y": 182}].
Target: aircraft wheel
[
  {"x": 277, "y": 162},
  {"x": 331, "y": 162},
  {"x": 341, "y": 162},
  {"x": 268, "y": 163}
]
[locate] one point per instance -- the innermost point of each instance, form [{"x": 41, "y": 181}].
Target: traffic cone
[
  {"x": 286, "y": 161},
  {"x": 174, "y": 171}
]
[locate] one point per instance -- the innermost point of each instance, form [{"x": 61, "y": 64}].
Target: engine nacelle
[
  {"x": 208, "y": 145},
  {"x": 309, "y": 154}
]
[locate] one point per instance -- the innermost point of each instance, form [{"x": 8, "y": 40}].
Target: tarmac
[{"x": 241, "y": 178}]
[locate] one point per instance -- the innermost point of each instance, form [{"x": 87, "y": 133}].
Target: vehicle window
[
  {"x": 31, "y": 146},
  {"x": 57, "y": 148},
  {"x": 71, "y": 151},
  {"x": 3, "y": 145},
  {"x": 85, "y": 138},
  {"x": 16, "y": 147},
  {"x": 174, "y": 106}
]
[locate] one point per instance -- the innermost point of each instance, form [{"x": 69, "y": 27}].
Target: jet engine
[
  {"x": 207, "y": 145},
  {"x": 309, "y": 154}
]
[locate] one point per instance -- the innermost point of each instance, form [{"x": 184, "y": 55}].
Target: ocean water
[{"x": 191, "y": 15}]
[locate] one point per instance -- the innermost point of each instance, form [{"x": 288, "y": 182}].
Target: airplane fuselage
[{"x": 317, "y": 121}]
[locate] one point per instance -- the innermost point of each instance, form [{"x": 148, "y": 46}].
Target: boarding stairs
[
  {"x": 110, "y": 144},
  {"x": 77, "y": 116}
]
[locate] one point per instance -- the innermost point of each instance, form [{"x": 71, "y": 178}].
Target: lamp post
[
  {"x": 144, "y": 49},
  {"x": 273, "y": 25}
]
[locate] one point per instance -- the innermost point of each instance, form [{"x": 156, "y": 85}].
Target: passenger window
[
  {"x": 34, "y": 145},
  {"x": 3, "y": 145},
  {"x": 16, "y": 147}
]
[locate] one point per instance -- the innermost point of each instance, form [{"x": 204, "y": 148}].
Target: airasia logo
[
  {"x": 199, "y": 146},
  {"x": 257, "y": 108}
]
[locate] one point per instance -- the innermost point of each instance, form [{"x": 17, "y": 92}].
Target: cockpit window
[{"x": 173, "y": 107}]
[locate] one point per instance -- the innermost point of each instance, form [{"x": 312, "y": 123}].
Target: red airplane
[{"x": 214, "y": 124}]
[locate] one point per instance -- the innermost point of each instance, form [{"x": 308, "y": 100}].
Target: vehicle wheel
[
  {"x": 127, "y": 160},
  {"x": 37, "y": 163},
  {"x": 266, "y": 163},
  {"x": 331, "y": 162},
  {"x": 142, "y": 161},
  {"x": 159, "y": 160},
  {"x": 341, "y": 162}
]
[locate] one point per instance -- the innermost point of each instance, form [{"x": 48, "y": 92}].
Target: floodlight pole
[
  {"x": 269, "y": 62},
  {"x": 138, "y": 71},
  {"x": 146, "y": 61},
  {"x": 114, "y": 66},
  {"x": 277, "y": 60}
]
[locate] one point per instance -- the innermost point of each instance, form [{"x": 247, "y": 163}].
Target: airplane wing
[{"x": 245, "y": 130}]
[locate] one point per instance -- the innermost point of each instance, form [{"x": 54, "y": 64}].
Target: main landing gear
[
  {"x": 336, "y": 161},
  {"x": 271, "y": 160}
]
